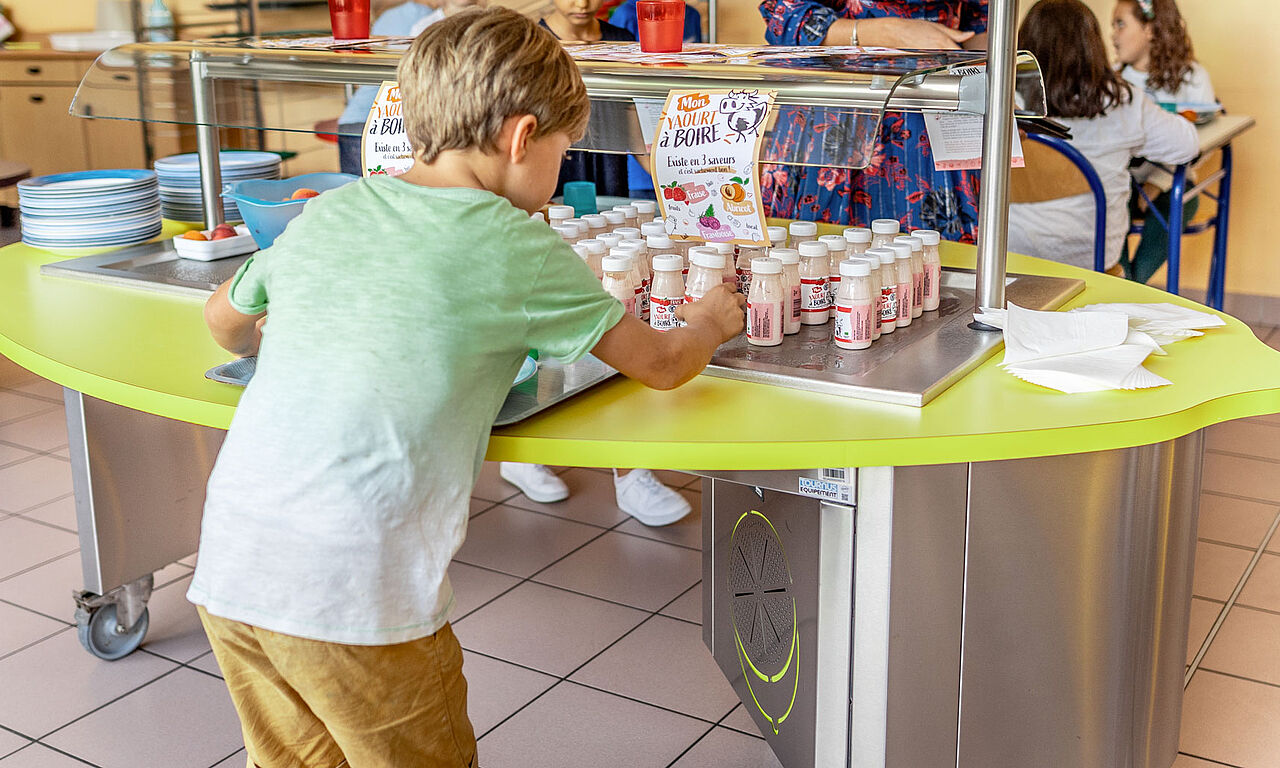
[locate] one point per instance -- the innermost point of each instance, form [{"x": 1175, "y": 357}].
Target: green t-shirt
[{"x": 397, "y": 317}]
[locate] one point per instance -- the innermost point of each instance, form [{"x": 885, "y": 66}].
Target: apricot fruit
[
  {"x": 194, "y": 234},
  {"x": 302, "y": 193}
]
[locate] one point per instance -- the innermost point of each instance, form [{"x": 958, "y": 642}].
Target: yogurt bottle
[
  {"x": 932, "y": 268},
  {"x": 596, "y": 225},
  {"x": 888, "y": 288},
  {"x": 777, "y": 237},
  {"x": 567, "y": 232},
  {"x": 596, "y": 250},
  {"x": 581, "y": 250},
  {"x": 558, "y": 214},
  {"x": 645, "y": 211},
  {"x": 653, "y": 228},
  {"x": 801, "y": 231},
  {"x": 629, "y": 213},
  {"x": 629, "y": 233},
  {"x": 706, "y": 271},
  {"x": 615, "y": 219},
  {"x": 610, "y": 240},
  {"x": 790, "y": 260},
  {"x": 877, "y": 296},
  {"x": 837, "y": 251},
  {"x": 730, "y": 274},
  {"x": 537, "y": 216},
  {"x": 815, "y": 303},
  {"x": 855, "y": 306},
  {"x": 859, "y": 239},
  {"x": 883, "y": 231},
  {"x": 617, "y": 280},
  {"x": 746, "y": 253},
  {"x": 917, "y": 272},
  {"x": 640, "y": 272},
  {"x": 660, "y": 244},
  {"x": 667, "y": 291},
  {"x": 766, "y": 303},
  {"x": 902, "y": 261}
]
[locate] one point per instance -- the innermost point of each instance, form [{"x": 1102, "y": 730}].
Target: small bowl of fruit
[
  {"x": 218, "y": 243},
  {"x": 267, "y": 205}
]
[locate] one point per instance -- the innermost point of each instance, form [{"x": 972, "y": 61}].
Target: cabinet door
[
  {"x": 38, "y": 130},
  {"x": 114, "y": 143}
]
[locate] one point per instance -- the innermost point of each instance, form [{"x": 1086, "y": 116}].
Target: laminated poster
[
  {"x": 705, "y": 165},
  {"x": 384, "y": 146}
]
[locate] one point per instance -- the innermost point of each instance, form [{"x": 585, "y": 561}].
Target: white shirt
[
  {"x": 1062, "y": 230},
  {"x": 1196, "y": 87}
]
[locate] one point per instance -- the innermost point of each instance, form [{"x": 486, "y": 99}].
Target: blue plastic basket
[{"x": 265, "y": 206}]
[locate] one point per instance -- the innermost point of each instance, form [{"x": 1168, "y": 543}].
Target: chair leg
[
  {"x": 1175, "y": 217},
  {"x": 1221, "y": 223}
]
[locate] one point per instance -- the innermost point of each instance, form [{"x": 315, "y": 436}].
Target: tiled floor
[{"x": 608, "y": 667}]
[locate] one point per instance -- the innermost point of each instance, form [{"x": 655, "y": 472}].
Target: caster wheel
[{"x": 101, "y": 634}]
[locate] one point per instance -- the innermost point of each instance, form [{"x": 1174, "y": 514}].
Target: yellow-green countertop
[{"x": 149, "y": 351}]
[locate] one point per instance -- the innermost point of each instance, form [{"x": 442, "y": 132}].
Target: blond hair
[{"x": 466, "y": 74}]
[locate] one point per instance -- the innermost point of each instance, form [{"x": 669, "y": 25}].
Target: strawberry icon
[{"x": 679, "y": 195}]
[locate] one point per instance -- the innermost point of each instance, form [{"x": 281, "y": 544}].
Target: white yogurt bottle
[
  {"x": 837, "y": 251},
  {"x": 859, "y": 239},
  {"x": 706, "y": 271},
  {"x": 615, "y": 219},
  {"x": 777, "y": 237},
  {"x": 746, "y": 253},
  {"x": 790, "y": 260},
  {"x": 567, "y": 232},
  {"x": 801, "y": 231},
  {"x": 888, "y": 288},
  {"x": 558, "y": 214},
  {"x": 629, "y": 213},
  {"x": 537, "y": 216},
  {"x": 610, "y": 240},
  {"x": 629, "y": 233},
  {"x": 596, "y": 250},
  {"x": 645, "y": 211},
  {"x": 618, "y": 281},
  {"x": 902, "y": 262},
  {"x": 667, "y": 291},
  {"x": 640, "y": 271},
  {"x": 917, "y": 272},
  {"x": 660, "y": 244},
  {"x": 877, "y": 295},
  {"x": 815, "y": 302},
  {"x": 766, "y": 303},
  {"x": 883, "y": 231},
  {"x": 581, "y": 250},
  {"x": 932, "y": 268},
  {"x": 730, "y": 274},
  {"x": 596, "y": 225},
  {"x": 855, "y": 306},
  {"x": 653, "y": 228}
]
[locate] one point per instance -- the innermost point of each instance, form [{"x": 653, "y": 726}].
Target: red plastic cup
[
  {"x": 349, "y": 19},
  {"x": 661, "y": 25}
]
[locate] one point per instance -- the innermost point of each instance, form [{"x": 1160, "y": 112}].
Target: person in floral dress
[{"x": 900, "y": 182}]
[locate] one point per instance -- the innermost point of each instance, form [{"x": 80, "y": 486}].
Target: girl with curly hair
[{"x": 1154, "y": 52}]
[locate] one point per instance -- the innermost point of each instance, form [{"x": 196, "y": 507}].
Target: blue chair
[{"x": 1082, "y": 164}]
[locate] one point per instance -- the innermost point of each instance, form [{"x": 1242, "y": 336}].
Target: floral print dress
[{"x": 900, "y": 182}]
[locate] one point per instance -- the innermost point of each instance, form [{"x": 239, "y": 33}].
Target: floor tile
[
  {"x": 740, "y": 720},
  {"x": 59, "y": 512},
  {"x": 41, "y": 388},
  {"x": 1247, "y": 645},
  {"x": 1236, "y": 521},
  {"x": 627, "y": 569},
  {"x": 663, "y": 662},
  {"x": 478, "y": 506},
  {"x": 575, "y": 726},
  {"x": 496, "y": 689},
  {"x": 12, "y": 453},
  {"x": 1231, "y": 720},
  {"x": 1262, "y": 590},
  {"x": 675, "y": 479},
  {"x": 127, "y": 733},
  {"x": 473, "y": 587},
  {"x": 491, "y": 487},
  {"x": 722, "y": 748},
  {"x": 24, "y": 544},
  {"x": 544, "y": 628},
  {"x": 207, "y": 663},
  {"x": 235, "y": 761},
  {"x": 47, "y": 589},
  {"x": 39, "y": 756},
  {"x": 519, "y": 542},
  {"x": 1244, "y": 437},
  {"x": 1237, "y": 476},
  {"x": 686, "y": 532},
  {"x": 175, "y": 631},
  {"x": 28, "y": 483},
  {"x": 20, "y": 628},
  {"x": 1203, "y": 614},
  {"x": 1218, "y": 569},
  {"x": 11, "y": 742},
  {"x": 687, "y": 606},
  {"x": 12, "y": 374},
  {"x": 1270, "y": 418},
  {"x": 591, "y": 499},
  {"x": 44, "y": 431},
  {"x": 1187, "y": 761},
  {"x": 14, "y": 406},
  {"x": 37, "y": 702}
]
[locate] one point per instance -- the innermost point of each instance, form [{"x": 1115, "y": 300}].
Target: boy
[{"x": 397, "y": 312}]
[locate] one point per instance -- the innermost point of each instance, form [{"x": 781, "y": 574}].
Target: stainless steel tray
[{"x": 150, "y": 266}]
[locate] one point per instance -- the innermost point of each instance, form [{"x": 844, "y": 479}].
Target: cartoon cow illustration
[{"x": 746, "y": 111}]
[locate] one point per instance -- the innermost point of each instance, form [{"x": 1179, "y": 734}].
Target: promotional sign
[
  {"x": 384, "y": 146},
  {"x": 705, "y": 165},
  {"x": 956, "y": 141}
]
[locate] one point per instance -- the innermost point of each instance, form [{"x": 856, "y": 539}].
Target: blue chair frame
[{"x": 1095, "y": 186}]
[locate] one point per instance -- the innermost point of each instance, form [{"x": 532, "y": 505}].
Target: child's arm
[
  {"x": 667, "y": 359},
  {"x": 234, "y": 331}
]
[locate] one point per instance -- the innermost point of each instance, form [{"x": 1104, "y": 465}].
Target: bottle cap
[
  {"x": 595, "y": 221},
  {"x": 628, "y": 233},
  {"x": 580, "y": 250},
  {"x": 785, "y": 255},
  {"x": 615, "y": 218},
  {"x": 900, "y": 250},
  {"x": 634, "y": 244},
  {"x": 537, "y": 216},
  {"x": 628, "y": 211},
  {"x": 855, "y": 268},
  {"x": 812, "y": 248},
  {"x": 860, "y": 235},
  {"x": 593, "y": 245},
  {"x": 616, "y": 262},
  {"x": 658, "y": 241},
  {"x": 803, "y": 228},
  {"x": 645, "y": 206},
  {"x": 766, "y": 266},
  {"x": 568, "y": 233},
  {"x": 835, "y": 242},
  {"x": 777, "y": 235},
  {"x": 659, "y": 220},
  {"x": 927, "y": 236},
  {"x": 885, "y": 255},
  {"x": 916, "y": 243},
  {"x": 668, "y": 262},
  {"x": 651, "y": 228},
  {"x": 885, "y": 226},
  {"x": 725, "y": 249},
  {"x": 706, "y": 257},
  {"x": 559, "y": 212},
  {"x": 609, "y": 239}
]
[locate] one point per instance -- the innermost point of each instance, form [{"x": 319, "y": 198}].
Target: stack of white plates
[
  {"x": 180, "y": 196},
  {"x": 89, "y": 209}
]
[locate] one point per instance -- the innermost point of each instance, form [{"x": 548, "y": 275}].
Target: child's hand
[{"x": 720, "y": 309}]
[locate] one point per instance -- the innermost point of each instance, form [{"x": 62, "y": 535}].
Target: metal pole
[
  {"x": 205, "y": 114},
  {"x": 997, "y": 146}
]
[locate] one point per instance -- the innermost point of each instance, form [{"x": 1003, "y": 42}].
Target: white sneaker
[
  {"x": 535, "y": 481},
  {"x": 644, "y": 497}
]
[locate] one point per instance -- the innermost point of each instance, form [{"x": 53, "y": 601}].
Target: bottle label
[
  {"x": 662, "y": 313},
  {"x": 629, "y": 305},
  {"x": 932, "y": 276},
  {"x": 917, "y": 291},
  {"x": 833, "y": 287},
  {"x": 796, "y": 302},
  {"x": 744, "y": 281},
  {"x": 813, "y": 294},
  {"x": 644, "y": 299},
  {"x": 853, "y": 324},
  {"x": 764, "y": 321},
  {"x": 904, "y": 301},
  {"x": 889, "y": 305}
]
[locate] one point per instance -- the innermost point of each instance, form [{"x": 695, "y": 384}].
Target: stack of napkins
[{"x": 1093, "y": 348}]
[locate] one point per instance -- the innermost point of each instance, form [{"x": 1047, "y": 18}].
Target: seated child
[
  {"x": 1110, "y": 124},
  {"x": 341, "y": 491}
]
